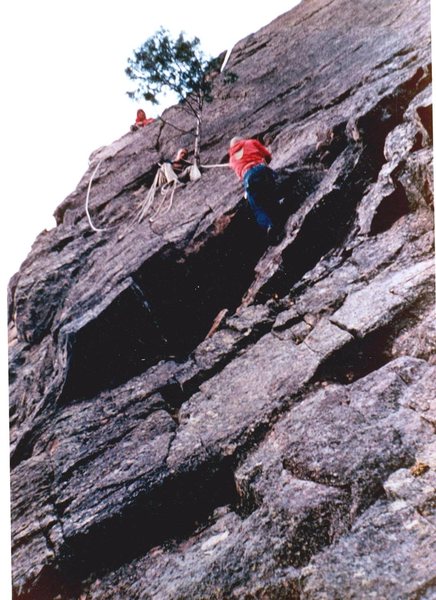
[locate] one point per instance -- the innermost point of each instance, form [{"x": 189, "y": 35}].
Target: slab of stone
[
  {"x": 387, "y": 554},
  {"x": 375, "y": 304}
]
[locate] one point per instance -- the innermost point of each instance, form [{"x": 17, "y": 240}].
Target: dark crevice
[
  {"x": 388, "y": 113},
  {"x": 390, "y": 209},
  {"x": 169, "y": 514},
  {"x": 120, "y": 343},
  {"x": 425, "y": 113},
  {"x": 403, "y": 52},
  {"x": 323, "y": 229},
  {"x": 167, "y": 311},
  {"x": 62, "y": 244},
  {"x": 330, "y": 147},
  {"x": 295, "y": 184},
  {"x": 358, "y": 358},
  {"x": 75, "y": 272},
  {"x": 362, "y": 356},
  {"x": 187, "y": 291},
  {"x": 331, "y": 220},
  {"x": 418, "y": 142}
]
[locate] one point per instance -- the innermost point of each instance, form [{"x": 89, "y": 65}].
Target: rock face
[{"x": 289, "y": 453}]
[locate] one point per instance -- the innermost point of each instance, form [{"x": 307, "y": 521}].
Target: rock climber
[
  {"x": 249, "y": 159},
  {"x": 180, "y": 169},
  {"x": 141, "y": 120}
]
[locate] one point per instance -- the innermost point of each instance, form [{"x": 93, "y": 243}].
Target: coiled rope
[
  {"x": 164, "y": 190},
  {"x": 148, "y": 200}
]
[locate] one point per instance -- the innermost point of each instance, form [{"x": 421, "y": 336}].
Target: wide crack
[
  {"x": 169, "y": 513},
  {"x": 167, "y": 311},
  {"x": 363, "y": 355},
  {"x": 175, "y": 295},
  {"x": 390, "y": 209},
  {"x": 328, "y": 224},
  {"x": 154, "y": 518}
]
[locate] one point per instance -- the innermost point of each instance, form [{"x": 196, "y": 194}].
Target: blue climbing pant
[{"x": 260, "y": 189}]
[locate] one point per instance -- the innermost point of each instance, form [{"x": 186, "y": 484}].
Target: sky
[{"x": 64, "y": 95}]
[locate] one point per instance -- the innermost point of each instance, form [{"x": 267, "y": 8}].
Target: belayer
[
  {"x": 178, "y": 170},
  {"x": 169, "y": 176},
  {"x": 141, "y": 120},
  {"x": 249, "y": 159}
]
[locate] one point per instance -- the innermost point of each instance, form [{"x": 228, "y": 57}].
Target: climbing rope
[
  {"x": 148, "y": 200},
  {"x": 151, "y": 194},
  {"x": 87, "y": 199},
  {"x": 165, "y": 189},
  {"x": 91, "y": 224},
  {"x": 215, "y": 166}
]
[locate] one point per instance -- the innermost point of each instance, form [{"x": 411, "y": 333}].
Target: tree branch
[{"x": 175, "y": 126}]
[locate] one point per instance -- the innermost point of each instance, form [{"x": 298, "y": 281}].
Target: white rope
[
  {"x": 170, "y": 203},
  {"x": 159, "y": 212},
  {"x": 151, "y": 194},
  {"x": 164, "y": 192},
  {"x": 87, "y": 199},
  {"x": 214, "y": 166},
  {"x": 148, "y": 199},
  {"x": 226, "y": 58}
]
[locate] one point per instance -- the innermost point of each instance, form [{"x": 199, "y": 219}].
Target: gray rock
[
  {"x": 367, "y": 309},
  {"x": 387, "y": 554},
  {"x": 198, "y": 414}
]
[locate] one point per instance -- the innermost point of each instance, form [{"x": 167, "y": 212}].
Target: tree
[{"x": 178, "y": 65}]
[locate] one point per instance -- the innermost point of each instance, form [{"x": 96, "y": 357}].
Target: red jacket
[
  {"x": 141, "y": 119},
  {"x": 246, "y": 154}
]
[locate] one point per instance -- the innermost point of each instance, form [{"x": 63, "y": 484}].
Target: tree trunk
[{"x": 197, "y": 141}]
